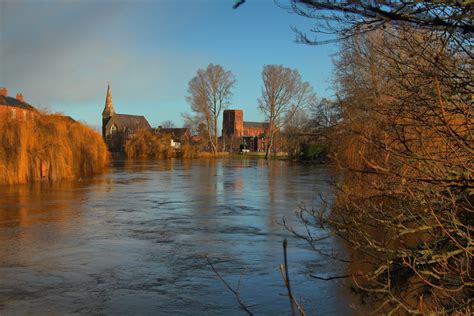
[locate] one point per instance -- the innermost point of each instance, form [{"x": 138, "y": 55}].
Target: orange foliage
[
  {"x": 146, "y": 144},
  {"x": 49, "y": 146},
  {"x": 188, "y": 151}
]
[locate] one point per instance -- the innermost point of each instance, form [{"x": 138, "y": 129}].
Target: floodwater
[{"x": 136, "y": 241}]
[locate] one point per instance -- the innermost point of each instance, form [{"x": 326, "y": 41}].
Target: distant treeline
[{"x": 49, "y": 147}]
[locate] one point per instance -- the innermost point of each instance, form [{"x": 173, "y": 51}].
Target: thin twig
[
  {"x": 298, "y": 306},
  {"x": 235, "y": 292},
  {"x": 286, "y": 279}
]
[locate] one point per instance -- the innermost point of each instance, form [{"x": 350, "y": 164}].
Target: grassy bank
[
  {"x": 49, "y": 147},
  {"x": 249, "y": 155}
]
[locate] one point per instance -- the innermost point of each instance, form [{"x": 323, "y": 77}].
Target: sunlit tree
[
  {"x": 209, "y": 93},
  {"x": 284, "y": 93},
  {"x": 167, "y": 124}
]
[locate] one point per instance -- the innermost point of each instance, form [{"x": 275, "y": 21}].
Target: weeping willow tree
[{"x": 48, "y": 146}]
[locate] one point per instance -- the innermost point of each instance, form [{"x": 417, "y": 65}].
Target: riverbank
[{"x": 249, "y": 155}]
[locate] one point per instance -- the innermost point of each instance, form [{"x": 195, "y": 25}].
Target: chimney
[
  {"x": 3, "y": 92},
  {"x": 19, "y": 97}
]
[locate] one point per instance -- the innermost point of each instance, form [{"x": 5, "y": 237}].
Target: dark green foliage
[{"x": 314, "y": 152}]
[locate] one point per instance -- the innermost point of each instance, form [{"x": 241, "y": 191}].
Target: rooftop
[
  {"x": 175, "y": 132},
  {"x": 9, "y": 101},
  {"x": 131, "y": 121},
  {"x": 256, "y": 124}
]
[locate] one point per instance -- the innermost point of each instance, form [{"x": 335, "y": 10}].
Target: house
[
  {"x": 117, "y": 128},
  {"x": 179, "y": 136},
  {"x": 15, "y": 108}
]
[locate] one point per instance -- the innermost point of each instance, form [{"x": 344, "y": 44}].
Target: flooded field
[{"x": 135, "y": 241}]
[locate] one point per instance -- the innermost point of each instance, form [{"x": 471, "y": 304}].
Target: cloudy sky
[{"x": 61, "y": 53}]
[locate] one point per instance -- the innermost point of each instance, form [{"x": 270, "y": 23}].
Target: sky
[{"x": 61, "y": 53}]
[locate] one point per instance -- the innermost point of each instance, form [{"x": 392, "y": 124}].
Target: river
[{"x": 136, "y": 240}]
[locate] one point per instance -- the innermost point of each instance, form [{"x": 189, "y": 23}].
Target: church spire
[{"x": 109, "y": 107}]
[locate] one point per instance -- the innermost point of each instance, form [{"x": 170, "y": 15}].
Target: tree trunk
[
  {"x": 269, "y": 148},
  {"x": 211, "y": 140},
  {"x": 271, "y": 122},
  {"x": 270, "y": 145},
  {"x": 215, "y": 136}
]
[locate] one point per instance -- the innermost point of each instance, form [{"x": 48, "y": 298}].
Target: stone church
[
  {"x": 238, "y": 134},
  {"x": 117, "y": 128}
]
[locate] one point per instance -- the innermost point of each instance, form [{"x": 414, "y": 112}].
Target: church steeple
[{"x": 109, "y": 107}]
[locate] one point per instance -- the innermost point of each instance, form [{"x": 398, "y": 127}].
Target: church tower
[{"x": 108, "y": 110}]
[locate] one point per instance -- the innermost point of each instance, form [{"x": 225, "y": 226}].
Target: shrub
[
  {"x": 146, "y": 144},
  {"x": 313, "y": 152}
]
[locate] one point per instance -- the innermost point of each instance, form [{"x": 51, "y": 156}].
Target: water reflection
[
  {"x": 136, "y": 240},
  {"x": 24, "y": 205}
]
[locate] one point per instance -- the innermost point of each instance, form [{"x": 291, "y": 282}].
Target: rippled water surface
[{"x": 135, "y": 241}]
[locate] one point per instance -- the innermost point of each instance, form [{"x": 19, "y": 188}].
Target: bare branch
[{"x": 236, "y": 292}]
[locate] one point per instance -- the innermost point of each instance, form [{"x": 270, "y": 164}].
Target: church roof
[
  {"x": 109, "y": 106},
  {"x": 133, "y": 122},
  {"x": 9, "y": 101},
  {"x": 256, "y": 124},
  {"x": 176, "y": 133}
]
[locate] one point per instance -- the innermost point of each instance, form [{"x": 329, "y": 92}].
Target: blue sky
[{"x": 61, "y": 53}]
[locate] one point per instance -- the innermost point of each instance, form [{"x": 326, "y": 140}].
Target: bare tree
[
  {"x": 325, "y": 114},
  {"x": 192, "y": 122},
  {"x": 283, "y": 94},
  {"x": 405, "y": 148},
  {"x": 296, "y": 134},
  {"x": 168, "y": 124},
  {"x": 348, "y": 18},
  {"x": 209, "y": 93}
]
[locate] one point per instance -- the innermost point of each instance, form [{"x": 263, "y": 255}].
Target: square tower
[{"x": 233, "y": 123}]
